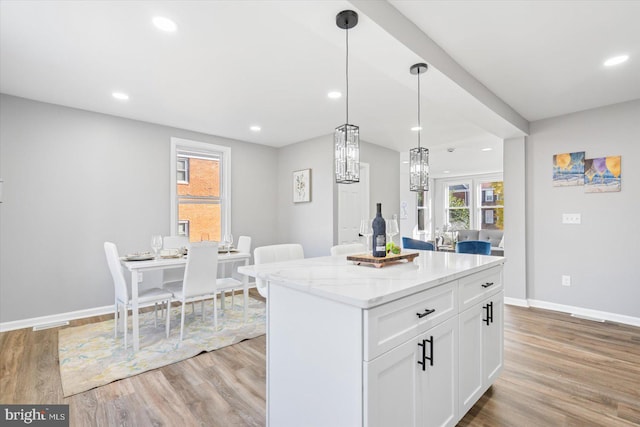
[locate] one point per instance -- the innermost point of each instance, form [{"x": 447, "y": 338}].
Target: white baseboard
[
  {"x": 516, "y": 301},
  {"x": 54, "y": 318},
  {"x": 585, "y": 312},
  {"x": 62, "y": 317}
]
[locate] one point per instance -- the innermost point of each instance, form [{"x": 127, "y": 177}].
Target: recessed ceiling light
[
  {"x": 487, "y": 149},
  {"x": 120, "y": 95},
  {"x": 446, "y": 171},
  {"x": 334, "y": 95},
  {"x": 255, "y": 128},
  {"x": 416, "y": 128},
  {"x": 616, "y": 60},
  {"x": 164, "y": 24}
]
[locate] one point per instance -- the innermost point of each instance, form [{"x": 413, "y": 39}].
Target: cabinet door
[
  {"x": 391, "y": 387},
  {"x": 493, "y": 340},
  {"x": 471, "y": 350},
  {"x": 400, "y": 392},
  {"x": 439, "y": 382}
]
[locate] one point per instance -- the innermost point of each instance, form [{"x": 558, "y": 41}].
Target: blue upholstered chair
[
  {"x": 478, "y": 247},
  {"x": 409, "y": 243}
]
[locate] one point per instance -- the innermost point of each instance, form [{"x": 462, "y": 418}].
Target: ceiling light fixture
[
  {"x": 120, "y": 96},
  {"x": 255, "y": 128},
  {"x": 418, "y": 157},
  {"x": 347, "y": 137},
  {"x": 164, "y": 24},
  {"x": 487, "y": 149},
  {"x": 616, "y": 60},
  {"x": 416, "y": 128},
  {"x": 334, "y": 95}
]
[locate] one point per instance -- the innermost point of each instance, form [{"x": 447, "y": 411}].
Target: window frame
[
  {"x": 475, "y": 193},
  {"x": 185, "y": 170},
  {"x": 180, "y": 144}
]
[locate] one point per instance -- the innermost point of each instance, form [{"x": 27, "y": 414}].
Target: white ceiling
[{"x": 233, "y": 64}]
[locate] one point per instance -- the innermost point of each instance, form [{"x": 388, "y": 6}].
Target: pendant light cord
[
  {"x": 347, "y": 74},
  {"x": 419, "y": 125}
]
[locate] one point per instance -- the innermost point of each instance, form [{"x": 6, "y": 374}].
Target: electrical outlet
[
  {"x": 140, "y": 278},
  {"x": 566, "y": 280},
  {"x": 571, "y": 218}
]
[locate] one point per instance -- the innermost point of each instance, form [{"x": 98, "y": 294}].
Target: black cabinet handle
[
  {"x": 491, "y": 311},
  {"x": 489, "y": 308},
  {"x": 487, "y": 284},
  {"x": 426, "y": 313},
  {"x": 423, "y": 344},
  {"x": 486, "y": 320}
]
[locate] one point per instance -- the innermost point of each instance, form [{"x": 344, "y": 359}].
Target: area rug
[{"x": 90, "y": 356}]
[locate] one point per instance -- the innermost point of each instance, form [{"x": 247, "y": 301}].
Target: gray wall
[
  {"x": 601, "y": 254},
  {"x": 310, "y": 224},
  {"x": 314, "y": 224},
  {"x": 515, "y": 242},
  {"x": 74, "y": 179}
]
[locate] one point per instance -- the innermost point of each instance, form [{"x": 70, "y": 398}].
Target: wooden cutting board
[{"x": 381, "y": 262}]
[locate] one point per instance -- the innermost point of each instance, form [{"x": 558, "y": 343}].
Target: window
[
  {"x": 458, "y": 206},
  {"x": 200, "y": 184},
  {"x": 182, "y": 170},
  {"x": 491, "y": 205},
  {"x": 183, "y": 228},
  {"x": 470, "y": 202}
]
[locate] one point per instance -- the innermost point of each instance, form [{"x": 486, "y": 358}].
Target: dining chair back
[
  {"x": 119, "y": 282},
  {"x": 244, "y": 244},
  {"x": 201, "y": 270},
  {"x": 275, "y": 253},
  {"x": 175, "y": 242},
  {"x": 174, "y": 275},
  {"x": 348, "y": 248},
  {"x": 153, "y": 295},
  {"x": 200, "y": 280},
  {"x": 478, "y": 247},
  {"x": 409, "y": 243}
]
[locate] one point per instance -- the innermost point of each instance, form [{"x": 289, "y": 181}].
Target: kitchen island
[{"x": 410, "y": 344}]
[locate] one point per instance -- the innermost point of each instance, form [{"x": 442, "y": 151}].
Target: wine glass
[
  {"x": 367, "y": 231},
  {"x": 392, "y": 229},
  {"x": 228, "y": 241},
  {"x": 156, "y": 244}
]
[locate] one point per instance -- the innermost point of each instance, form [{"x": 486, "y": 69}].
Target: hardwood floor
[{"x": 559, "y": 371}]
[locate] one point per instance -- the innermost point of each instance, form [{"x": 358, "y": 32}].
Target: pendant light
[
  {"x": 347, "y": 137},
  {"x": 418, "y": 157}
]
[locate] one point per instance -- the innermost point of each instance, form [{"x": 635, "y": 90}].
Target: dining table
[{"x": 162, "y": 263}]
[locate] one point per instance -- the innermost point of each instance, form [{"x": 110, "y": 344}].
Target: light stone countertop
[{"x": 365, "y": 286}]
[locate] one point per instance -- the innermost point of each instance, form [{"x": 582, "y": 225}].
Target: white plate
[{"x": 139, "y": 257}]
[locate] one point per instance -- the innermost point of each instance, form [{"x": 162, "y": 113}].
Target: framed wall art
[{"x": 302, "y": 186}]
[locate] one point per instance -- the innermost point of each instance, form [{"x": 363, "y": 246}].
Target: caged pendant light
[
  {"x": 418, "y": 157},
  {"x": 347, "y": 137}
]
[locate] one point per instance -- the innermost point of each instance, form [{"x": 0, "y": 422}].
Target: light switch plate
[
  {"x": 566, "y": 280},
  {"x": 571, "y": 218}
]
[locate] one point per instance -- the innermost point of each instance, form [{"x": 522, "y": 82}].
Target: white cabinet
[
  {"x": 481, "y": 348},
  {"x": 421, "y": 359},
  {"x": 415, "y": 384}
]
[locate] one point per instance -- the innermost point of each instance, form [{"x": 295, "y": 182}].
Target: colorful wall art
[
  {"x": 602, "y": 174},
  {"x": 568, "y": 169}
]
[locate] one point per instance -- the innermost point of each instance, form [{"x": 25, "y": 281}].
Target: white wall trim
[
  {"x": 516, "y": 301},
  {"x": 612, "y": 317},
  {"x": 54, "y": 318}
]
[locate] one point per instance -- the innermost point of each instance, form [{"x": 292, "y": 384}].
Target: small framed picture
[{"x": 302, "y": 186}]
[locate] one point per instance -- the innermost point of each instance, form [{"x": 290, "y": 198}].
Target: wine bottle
[{"x": 379, "y": 226}]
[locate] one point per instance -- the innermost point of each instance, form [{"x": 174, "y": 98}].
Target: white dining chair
[
  {"x": 175, "y": 274},
  {"x": 200, "y": 280},
  {"x": 122, "y": 299},
  {"x": 275, "y": 253},
  {"x": 348, "y": 249},
  {"x": 235, "y": 278}
]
